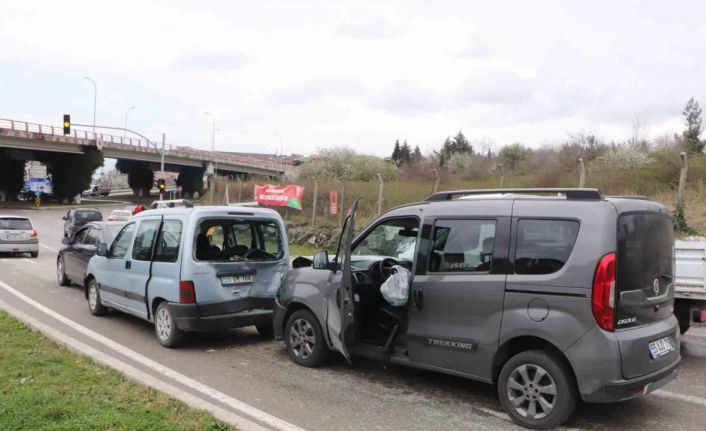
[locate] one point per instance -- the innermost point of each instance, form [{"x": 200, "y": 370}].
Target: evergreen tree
[
  {"x": 416, "y": 154},
  {"x": 459, "y": 144},
  {"x": 692, "y": 115},
  {"x": 396, "y": 153},
  {"x": 405, "y": 153}
]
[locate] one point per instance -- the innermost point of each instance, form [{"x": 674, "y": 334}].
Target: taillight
[
  {"x": 603, "y": 302},
  {"x": 187, "y": 292},
  {"x": 34, "y": 233}
]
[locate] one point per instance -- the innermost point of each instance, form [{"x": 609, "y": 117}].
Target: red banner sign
[
  {"x": 333, "y": 201},
  {"x": 283, "y": 196}
]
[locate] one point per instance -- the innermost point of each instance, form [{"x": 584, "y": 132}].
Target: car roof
[
  {"x": 210, "y": 210},
  {"x": 14, "y": 216}
]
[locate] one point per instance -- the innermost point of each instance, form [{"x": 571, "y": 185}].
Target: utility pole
[
  {"x": 95, "y": 100},
  {"x": 161, "y": 167},
  {"x": 281, "y": 144},
  {"x": 127, "y": 112},
  {"x": 582, "y": 174}
]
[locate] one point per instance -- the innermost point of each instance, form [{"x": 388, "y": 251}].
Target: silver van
[
  {"x": 553, "y": 295},
  {"x": 192, "y": 269}
]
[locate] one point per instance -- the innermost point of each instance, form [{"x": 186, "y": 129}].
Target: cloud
[
  {"x": 370, "y": 28},
  {"x": 219, "y": 61},
  {"x": 313, "y": 91}
]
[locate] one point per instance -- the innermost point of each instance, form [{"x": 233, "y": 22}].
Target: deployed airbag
[{"x": 395, "y": 289}]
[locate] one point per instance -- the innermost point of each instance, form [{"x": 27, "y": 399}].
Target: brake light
[
  {"x": 603, "y": 301},
  {"x": 187, "y": 292},
  {"x": 34, "y": 233}
]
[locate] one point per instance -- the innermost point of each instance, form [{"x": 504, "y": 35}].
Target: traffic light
[
  {"x": 67, "y": 124},
  {"x": 162, "y": 184}
]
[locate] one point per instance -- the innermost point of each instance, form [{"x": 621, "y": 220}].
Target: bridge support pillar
[
  {"x": 11, "y": 176},
  {"x": 140, "y": 177},
  {"x": 190, "y": 180},
  {"x": 71, "y": 173}
]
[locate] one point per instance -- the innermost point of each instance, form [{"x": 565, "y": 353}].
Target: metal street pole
[
  {"x": 213, "y": 142},
  {"x": 127, "y": 112},
  {"x": 162, "y": 167},
  {"x": 281, "y": 145},
  {"x": 95, "y": 99}
]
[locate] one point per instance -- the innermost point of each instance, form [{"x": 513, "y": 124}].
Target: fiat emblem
[{"x": 655, "y": 286}]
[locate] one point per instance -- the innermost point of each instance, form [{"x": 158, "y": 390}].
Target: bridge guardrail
[{"x": 85, "y": 137}]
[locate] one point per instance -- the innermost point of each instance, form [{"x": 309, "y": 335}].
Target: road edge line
[
  {"x": 134, "y": 374},
  {"x": 233, "y": 403}
]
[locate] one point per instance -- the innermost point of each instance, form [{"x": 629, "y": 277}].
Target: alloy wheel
[
  {"x": 302, "y": 341},
  {"x": 532, "y": 391},
  {"x": 93, "y": 297},
  {"x": 164, "y": 324}
]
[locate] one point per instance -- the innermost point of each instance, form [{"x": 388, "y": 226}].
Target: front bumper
[
  {"x": 222, "y": 315},
  {"x": 626, "y": 389},
  {"x": 31, "y": 246}
]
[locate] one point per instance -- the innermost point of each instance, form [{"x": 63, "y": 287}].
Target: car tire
[
  {"x": 61, "y": 273},
  {"x": 94, "y": 300},
  {"x": 165, "y": 328},
  {"x": 266, "y": 331},
  {"x": 537, "y": 389},
  {"x": 306, "y": 344},
  {"x": 34, "y": 254}
]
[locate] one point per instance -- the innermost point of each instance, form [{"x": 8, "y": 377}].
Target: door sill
[{"x": 124, "y": 309}]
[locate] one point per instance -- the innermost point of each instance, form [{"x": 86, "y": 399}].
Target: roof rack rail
[
  {"x": 639, "y": 198},
  {"x": 571, "y": 193}
]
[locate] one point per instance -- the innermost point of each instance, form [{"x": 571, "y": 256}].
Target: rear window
[
  {"x": 88, "y": 216},
  {"x": 544, "y": 246},
  {"x": 236, "y": 240},
  {"x": 15, "y": 224},
  {"x": 645, "y": 250}
]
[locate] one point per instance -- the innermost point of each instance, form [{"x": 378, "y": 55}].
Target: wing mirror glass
[
  {"x": 321, "y": 260},
  {"x": 102, "y": 249}
]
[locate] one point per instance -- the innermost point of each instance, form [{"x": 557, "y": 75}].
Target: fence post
[
  {"x": 682, "y": 177},
  {"x": 381, "y": 192},
  {"x": 316, "y": 198},
  {"x": 582, "y": 174},
  {"x": 240, "y": 189},
  {"x": 502, "y": 175},
  {"x": 435, "y": 188}
]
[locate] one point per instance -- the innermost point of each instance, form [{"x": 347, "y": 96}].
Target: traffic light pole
[{"x": 161, "y": 175}]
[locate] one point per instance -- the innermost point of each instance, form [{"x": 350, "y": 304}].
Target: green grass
[
  {"x": 296, "y": 250},
  {"x": 45, "y": 387}
]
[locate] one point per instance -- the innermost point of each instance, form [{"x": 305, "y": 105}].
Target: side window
[
  {"x": 462, "y": 246},
  {"x": 122, "y": 242},
  {"x": 544, "y": 246},
  {"x": 169, "y": 240},
  {"x": 142, "y": 249},
  {"x": 270, "y": 236},
  {"x": 93, "y": 236},
  {"x": 80, "y": 236}
]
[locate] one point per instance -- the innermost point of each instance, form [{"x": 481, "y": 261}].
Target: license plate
[
  {"x": 229, "y": 280},
  {"x": 660, "y": 347}
]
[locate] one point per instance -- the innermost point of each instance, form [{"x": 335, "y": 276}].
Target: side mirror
[
  {"x": 66, "y": 240},
  {"x": 101, "y": 250},
  {"x": 321, "y": 260},
  {"x": 63, "y": 218}
]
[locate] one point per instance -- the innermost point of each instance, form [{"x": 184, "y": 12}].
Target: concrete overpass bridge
[{"x": 31, "y": 137}]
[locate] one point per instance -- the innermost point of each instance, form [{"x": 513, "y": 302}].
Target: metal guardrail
[{"x": 139, "y": 144}]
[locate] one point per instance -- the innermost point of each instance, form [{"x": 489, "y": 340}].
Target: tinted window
[
  {"x": 645, "y": 250},
  {"x": 462, "y": 246},
  {"x": 169, "y": 240},
  {"x": 88, "y": 216},
  {"x": 122, "y": 242},
  {"x": 543, "y": 246},
  {"x": 142, "y": 248},
  {"x": 15, "y": 224}
]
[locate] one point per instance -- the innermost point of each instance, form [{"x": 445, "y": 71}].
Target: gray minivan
[
  {"x": 554, "y": 295},
  {"x": 192, "y": 269}
]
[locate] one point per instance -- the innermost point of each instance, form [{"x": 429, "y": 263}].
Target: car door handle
[
  {"x": 418, "y": 297},
  {"x": 128, "y": 264}
]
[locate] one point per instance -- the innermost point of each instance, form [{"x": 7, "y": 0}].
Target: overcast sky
[{"x": 361, "y": 74}]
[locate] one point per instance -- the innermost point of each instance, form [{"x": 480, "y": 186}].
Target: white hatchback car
[{"x": 17, "y": 235}]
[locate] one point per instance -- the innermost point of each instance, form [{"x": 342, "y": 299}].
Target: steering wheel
[{"x": 385, "y": 267}]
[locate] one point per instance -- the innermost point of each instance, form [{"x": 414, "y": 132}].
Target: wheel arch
[
  {"x": 523, "y": 343},
  {"x": 86, "y": 281}
]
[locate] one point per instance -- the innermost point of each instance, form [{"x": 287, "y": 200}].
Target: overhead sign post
[{"x": 283, "y": 196}]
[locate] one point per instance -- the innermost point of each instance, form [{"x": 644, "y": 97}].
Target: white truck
[{"x": 690, "y": 289}]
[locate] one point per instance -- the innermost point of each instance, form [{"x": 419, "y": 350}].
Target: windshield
[
  {"x": 110, "y": 231},
  {"x": 86, "y": 216},
  {"x": 394, "y": 238},
  {"x": 15, "y": 224},
  {"x": 236, "y": 240}
]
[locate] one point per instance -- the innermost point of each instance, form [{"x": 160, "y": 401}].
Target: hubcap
[
  {"x": 164, "y": 324},
  {"x": 301, "y": 339},
  {"x": 92, "y": 297},
  {"x": 531, "y": 391}
]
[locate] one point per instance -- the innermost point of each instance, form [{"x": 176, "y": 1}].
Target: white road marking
[
  {"x": 231, "y": 402},
  {"x": 24, "y": 259},
  {"x": 131, "y": 372},
  {"x": 48, "y": 248},
  {"x": 681, "y": 397}
]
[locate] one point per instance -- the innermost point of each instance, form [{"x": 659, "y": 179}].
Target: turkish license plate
[
  {"x": 229, "y": 280},
  {"x": 660, "y": 347}
]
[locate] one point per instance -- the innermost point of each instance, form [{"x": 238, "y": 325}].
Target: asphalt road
[{"x": 366, "y": 395}]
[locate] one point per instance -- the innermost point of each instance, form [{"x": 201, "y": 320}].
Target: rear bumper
[
  {"x": 620, "y": 390},
  {"x": 31, "y": 246},
  {"x": 222, "y": 315}
]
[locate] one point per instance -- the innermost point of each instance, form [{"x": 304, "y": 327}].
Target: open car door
[{"x": 340, "y": 300}]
